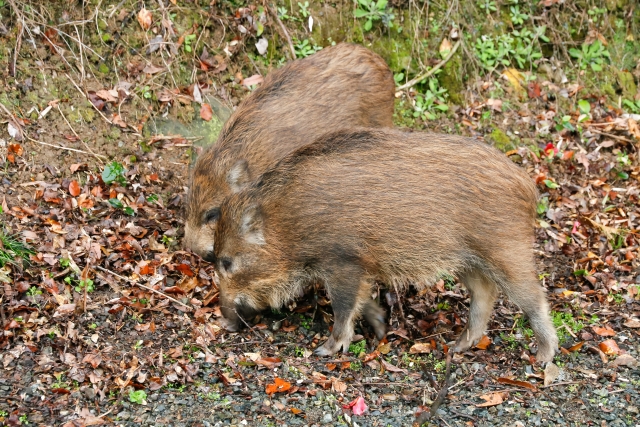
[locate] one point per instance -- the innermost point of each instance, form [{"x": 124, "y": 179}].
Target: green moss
[
  {"x": 451, "y": 79},
  {"x": 500, "y": 140},
  {"x": 113, "y": 133},
  {"x": 627, "y": 85},
  {"x": 88, "y": 114}
]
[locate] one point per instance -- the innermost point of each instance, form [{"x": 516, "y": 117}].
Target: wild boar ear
[
  {"x": 238, "y": 176},
  {"x": 253, "y": 225}
]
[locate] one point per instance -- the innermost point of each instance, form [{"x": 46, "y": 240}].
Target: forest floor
[{"x": 106, "y": 320}]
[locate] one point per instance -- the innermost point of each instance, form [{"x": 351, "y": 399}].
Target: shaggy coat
[
  {"x": 339, "y": 87},
  {"x": 367, "y": 205}
]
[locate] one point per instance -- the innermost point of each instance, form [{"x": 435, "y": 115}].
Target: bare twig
[
  {"x": 418, "y": 79},
  {"x": 442, "y": 394},
  {"x": 284, "y": 30},
  {"x": 62, "y": 147},
  {"x": 133, "y": 282},
  {"x": 619, "y": 138}
]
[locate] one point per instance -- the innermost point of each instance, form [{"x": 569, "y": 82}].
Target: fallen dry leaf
[
  {"x": 484, "y": 343},
  {"x": 517, "y": 383},
  {"x": 632, "y": 323},
  {"x": 253, "y": 80},
  {"x": 609, "y": 347},
  {"x": 625, "y": 360},
  {"x": 420, "y": 348},
  {"x": 604, "y": 332},
  {"x": 206, "y": 113},
  {"x": 491, "y": 399},
  {"x": 145, "y": 17},
  {"x": 74, "y": 188},
  {"x": 279, "y": 386},
  {"x": 391, "y": 368}
]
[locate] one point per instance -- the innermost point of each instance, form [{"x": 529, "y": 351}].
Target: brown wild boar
[
  {"x": 366, "y": 205},
  {"x": 339, "y": 87}
]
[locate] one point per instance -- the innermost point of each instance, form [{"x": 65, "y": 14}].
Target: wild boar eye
[
  {"x": 225, "y": 264},
  {"x": 212, "y": 215}
]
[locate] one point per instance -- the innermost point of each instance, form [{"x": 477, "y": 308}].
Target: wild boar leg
[
  {"x": 530, "y": 296},
  {"x": 346, "y": 300},
  {"x": 375, "y": 316},
  {"x": 483, "y": 294}
]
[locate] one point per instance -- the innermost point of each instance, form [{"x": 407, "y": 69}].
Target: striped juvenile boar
[
  {"x": 369, "y": 205},
  {"x": 339, "y": 87}
]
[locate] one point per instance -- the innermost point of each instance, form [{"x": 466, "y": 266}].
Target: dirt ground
[{"x": 109, "y": 321}]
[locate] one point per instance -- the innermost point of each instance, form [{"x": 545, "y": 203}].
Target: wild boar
[
  {"x": 338, "y": 87},
  {"x": 364, "y": 205}
]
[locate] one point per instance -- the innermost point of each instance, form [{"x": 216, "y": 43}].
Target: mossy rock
[
  {"x": 500, "y": 140},
  {"x": 451, "y": 79},
  {"x": 627, "y": 84}
]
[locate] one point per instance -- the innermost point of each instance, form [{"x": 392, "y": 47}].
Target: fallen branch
[
  {"x": 284, "y": 30},
  {"x": 619, "y": 138},
  {"x": 426, "y": 416},
  {"x": 429, "y": 73},
  {"x": 133, "y": 282}
]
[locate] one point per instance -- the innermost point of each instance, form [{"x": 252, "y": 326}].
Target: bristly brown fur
[
  {"x": 364, "y": 205},
  {"x": 339, "y": 87}
]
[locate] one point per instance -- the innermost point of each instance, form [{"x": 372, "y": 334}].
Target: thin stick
[
  {"x": 619, "y": 138},
  {"x": 62, "y": 147},
  {"x": 133, "y": 282},
  {"x": 425, "y": 416},
  {"x": 284, "y": 30},
  {"x": 418, "y": 79},
  {"x": 74, "y": 132}
]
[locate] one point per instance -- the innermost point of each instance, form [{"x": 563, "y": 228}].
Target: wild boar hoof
[
  {"x": 228, "y": 325},
  {"x": 332, "y": 347},
  {"x": 465, "y": 341}
]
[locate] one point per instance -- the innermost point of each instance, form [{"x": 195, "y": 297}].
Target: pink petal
[
  {"x": 575, "y": 227},
  {"x": 357, "y": 406}
]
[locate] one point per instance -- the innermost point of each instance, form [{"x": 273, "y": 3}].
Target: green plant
[
  {"x": 306, "y": 322},
  {"x": 543, "y": 205},
  {"x": 12, "y": 249},
  {"x": 117, "y": 204},
  {"x": 511, "y": 343},
  {"x": 138, "y": 396},
  {"x": 632, "y": 106},
  {"x": 33, "y": 291},
  {"x": 562, "y": 321},
  {"x": 59, "y": 382},
  {"x": 373, "y": 10},
  {"x": 64, "y": 262},
  {"x": 188, "y": 40},
  {"x": 85, "y": 284},
  {"x": 358, "y": 348},
  {"x": 592, "y": 55},
  {"x": 596, "y": 14},
  {"x": 299, "y": 352},
  {"x": 487, "y": 5},
  {"x": 564, "y": 123},
  {"x": 304, "y": 9},
  {"x": 283, "y": 14},
  {"x": 517, "y": 17},
  {"x": 433, "y": 101},
  {"x": 305, "y": 48},
  {"x": 3, "y": 414},
  {"x": 114, "y": 172},
  {"x": 444, "y": 305},
  {"x": 153, "y": 198},
  {"x": 23, "y": 419}
]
